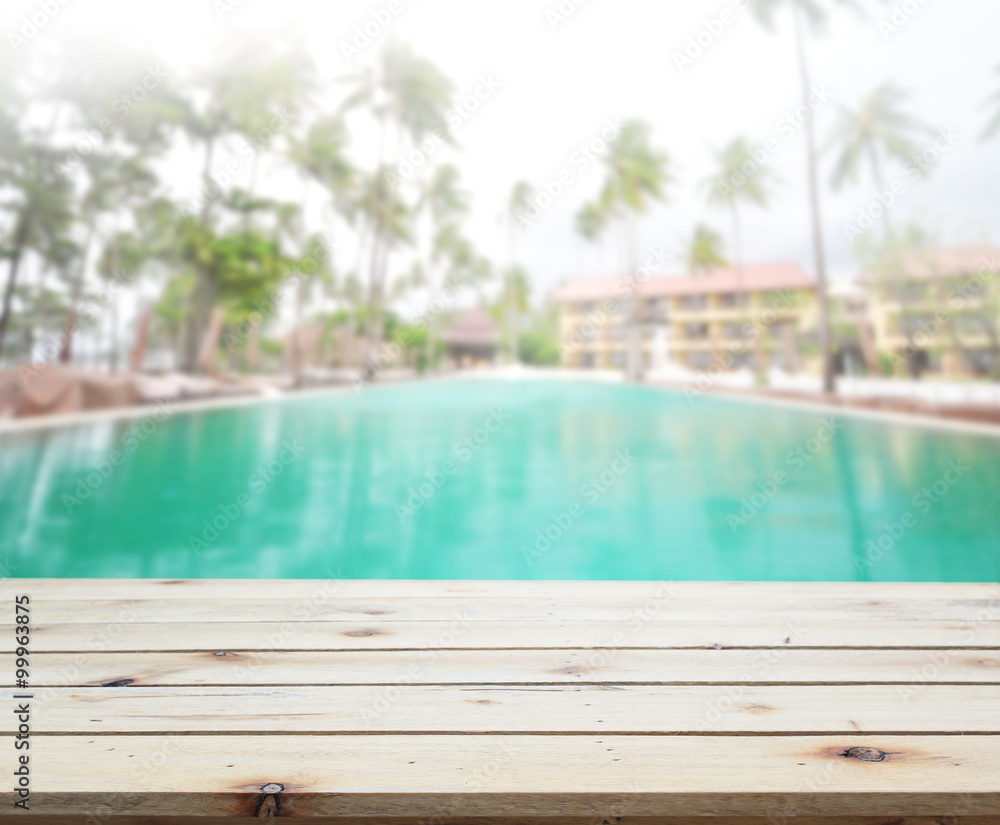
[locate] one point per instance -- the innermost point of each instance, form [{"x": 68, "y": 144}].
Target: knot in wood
[{"x": 866, "y": 754}]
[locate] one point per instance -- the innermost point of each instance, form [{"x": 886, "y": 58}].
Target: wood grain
[
  {"x": 335, "y": 587},
  {"x": 616, "y": 666},
  {"x": 464, "y": 609},
  {"x": 577, "y": 709},
  {"x": 457, "y": 634},
  {"x": 509, "y": 703},
  {"x": 518, "y": 776}
]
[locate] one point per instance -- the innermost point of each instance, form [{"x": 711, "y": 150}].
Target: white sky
[{"x": 615, "y": 59}]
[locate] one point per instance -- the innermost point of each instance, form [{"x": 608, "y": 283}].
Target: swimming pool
[{"x": 494, "y": 479}]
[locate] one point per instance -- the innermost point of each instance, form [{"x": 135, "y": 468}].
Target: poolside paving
[{"x": 434, "y": 702}]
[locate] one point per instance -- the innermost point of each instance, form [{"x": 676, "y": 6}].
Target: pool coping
[
  {"x": 913, "y": 419},
  {"x": 42, "y": 422},
  {"x": 236, "y": 401}
]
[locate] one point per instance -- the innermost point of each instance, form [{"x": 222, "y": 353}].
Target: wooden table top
[{"x": 452, "y": 703}]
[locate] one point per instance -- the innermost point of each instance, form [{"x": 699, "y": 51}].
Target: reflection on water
[{"x": 502, "y": 480}]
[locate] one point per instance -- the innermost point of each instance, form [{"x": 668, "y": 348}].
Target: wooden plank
[
  {"x": 732, "y": 709},
  {"x": 363, "y": 589},
  {"x": 469, "y": 609},
  {"x": 262, "y": 667},
  {"x": 378, "y": 635},
  {"x": 611, "y": 814},
  {"x": 516, "y": 776}
]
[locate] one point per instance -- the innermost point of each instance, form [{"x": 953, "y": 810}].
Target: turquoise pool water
[{"x": 501, "y": 479}]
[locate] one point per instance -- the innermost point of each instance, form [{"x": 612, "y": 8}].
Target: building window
[
  {"x": 618, "y": 359},
  {"x": 780, "y": 328},
  {"x": 734, "y": 299},
  {"x": 694, "y": 302},
  {"x": 619, "y": 332},
  {"x": 981, "y": 362},
  {"x": 588, "y": 360},
  {"x": 588, "y": 332},
  {"x": 587, "y": 307},
  {"x": 696, "y": 330},
  {"x": 733, "y": 331},
  {"x": 905, "y": 293},
  {"x": 923, "y": 324},
  {"x": 700, "y": 360},
  {"x": 656, "y": 308},
  {"x": 972, "y": 324}
]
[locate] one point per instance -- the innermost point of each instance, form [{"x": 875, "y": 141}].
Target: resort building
[
  {"x": 722, "y": 319},
  {"x": 938, "y": 310}
]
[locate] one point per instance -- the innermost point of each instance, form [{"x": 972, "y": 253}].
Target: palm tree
[
  {"x": 518, "y": 288},
  {"x": 446, "y": 202},
  {"x": 877, "y": 131},
  {"x": 41, "y": 208},
  {"x": 320, "y": 157},
  {"x": 236, "y": 95},
  {"x": 409, "y": 97},
  {"x": 811, "y": 13},
  {"x": 729, "y": 187},
  {"x": 270, "y": 80},
  {"x": 113, "y": 181},
  {"x": 391, "y": 222},
  {"x": 993, "y": 128},
  {"x": 704, "y": 250},
  {"x": 636, "y": 174},
  {"x": 591, "y": 221},
  {"x": 517, "y": 202}
]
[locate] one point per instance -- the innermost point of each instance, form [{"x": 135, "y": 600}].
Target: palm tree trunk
[
  {"x": 137, "y": 356},
  {"x": 635, "y": 365},
  {"x": 435, "y": 292},
  {"x": 203, "y": 298},
  {"x": 511, "y": 298},
  {"x": 43, "y": 299},
  {"x": 376, "y": 318},
  {"x": 879, "y": 185},
  {"x": 893, "y": 252},
  {"x": 20, "y": 241},
  {"x": 296, "y": 338},
  {"x": 378, "y": 325},
  {"x": 373, "y": 326},
  {"x": 115, "y": 307},
  {"x": 741, "y": 292},
  {"x": 210, "y": 341},
  {"x": 73, "y": 316},
  {"x": 814, "y": 202},
  {"x": 115, "y": 342}
]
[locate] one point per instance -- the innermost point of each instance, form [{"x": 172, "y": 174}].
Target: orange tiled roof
[
  {"x": 751, "y": 277},
  {"x": 945, "y": 261}
]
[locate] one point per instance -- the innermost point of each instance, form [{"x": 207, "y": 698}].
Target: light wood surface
[
  {"x": 590, "y": 709},
  {"x": 495, "y": 703},
  {"x": 513, "y": 634},
  {"x": 609, "y": 608},
  {"x": 535, "y": 667}
]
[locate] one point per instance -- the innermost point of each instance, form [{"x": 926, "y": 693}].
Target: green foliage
[
  {"x": 705, "y": 250},
  {"x": 877, "y": 130},
  {"x": 886, "y": 363},
  {"x": 637, "y": 173},
  {"x": 538, "y": 348},
  {"x": 738, "y": 177}
]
